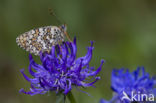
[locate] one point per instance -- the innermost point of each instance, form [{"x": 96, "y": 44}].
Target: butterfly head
[{"x": 64, "y": 27}]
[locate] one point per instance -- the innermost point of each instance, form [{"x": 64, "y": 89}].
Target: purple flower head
[
  {"x": 60, "y": 71},
  {"x": 138, "y": 82}
]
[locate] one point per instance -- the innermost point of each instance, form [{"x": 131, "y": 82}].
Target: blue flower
[
  {"x": 125, "y": 82},
  {"x": 60, "y": 71}
]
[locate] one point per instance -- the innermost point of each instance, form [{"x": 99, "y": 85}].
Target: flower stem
[{"x": 71, "y": 97}]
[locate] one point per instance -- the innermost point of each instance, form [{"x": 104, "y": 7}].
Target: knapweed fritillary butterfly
[{"x": 42, "y": 39}]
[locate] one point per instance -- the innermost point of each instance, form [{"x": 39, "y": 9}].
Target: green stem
[{"x": 71, "y": 97}]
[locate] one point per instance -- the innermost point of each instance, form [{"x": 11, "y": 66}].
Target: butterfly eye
[{"x": 64, "y": 27}]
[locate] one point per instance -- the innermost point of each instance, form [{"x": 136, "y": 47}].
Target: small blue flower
[
  {"x": 60, "y": 71},
  {"x": 137, "y": 81}
]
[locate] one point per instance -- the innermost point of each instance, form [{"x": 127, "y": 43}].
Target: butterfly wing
[{"x": 40, "y": 39}]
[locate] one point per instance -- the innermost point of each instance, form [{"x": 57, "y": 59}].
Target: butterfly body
[{"x": 41, "y": 39}]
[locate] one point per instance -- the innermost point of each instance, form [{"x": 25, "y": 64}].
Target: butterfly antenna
[
  {"x": 59, "y": 21},
  {"x": 53, "y": 14}
]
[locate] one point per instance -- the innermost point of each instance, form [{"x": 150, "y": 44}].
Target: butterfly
[{"x": 42, "y": 38}]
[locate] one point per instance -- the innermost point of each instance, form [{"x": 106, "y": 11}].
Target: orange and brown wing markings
[
  {"x": 37, "y": 46},
  {"x": 44, "y": 37},
  {"x": 48, "y": 30},
  {"x": 34, "y": 39},
  {"x": 22, "y": 41},
  {"x": 50, "y": 36},
  {"x": 35, "y": 35}
]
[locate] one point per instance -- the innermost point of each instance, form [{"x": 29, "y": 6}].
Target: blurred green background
[{"x": 124, "y": 32}]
